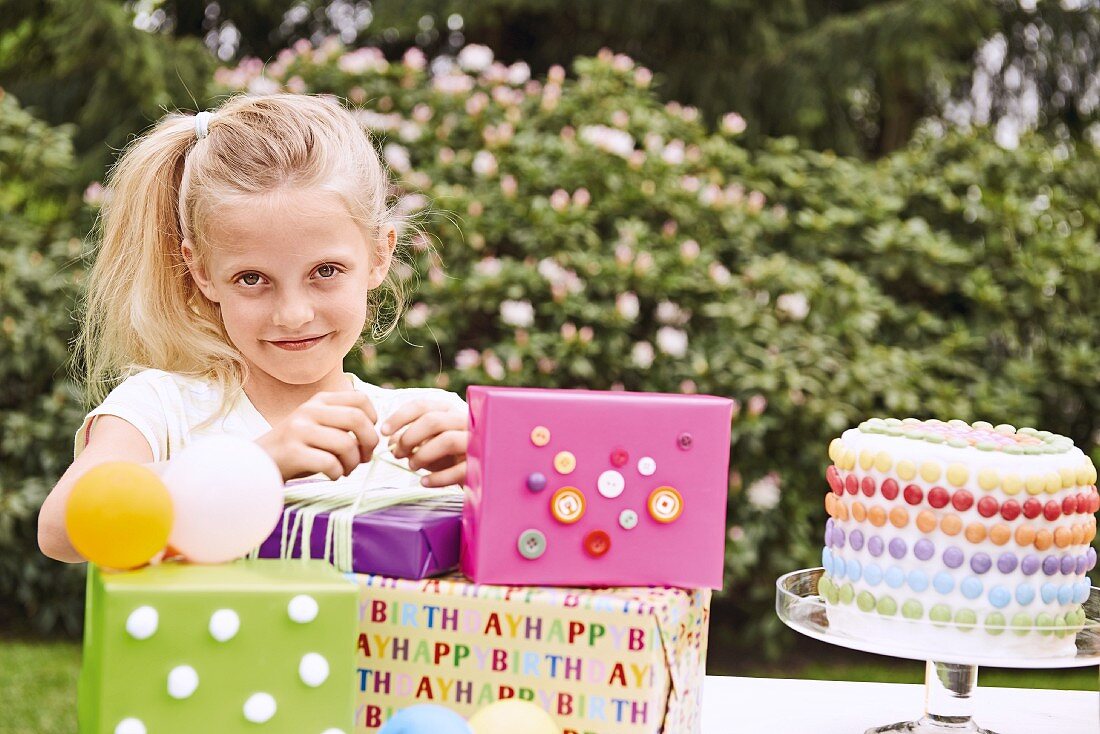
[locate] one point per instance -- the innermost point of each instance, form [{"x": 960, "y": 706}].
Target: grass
[{"x": 38, "y": 678}]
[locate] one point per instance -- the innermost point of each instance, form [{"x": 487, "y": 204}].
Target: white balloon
[{"x": 227, "y": 494}]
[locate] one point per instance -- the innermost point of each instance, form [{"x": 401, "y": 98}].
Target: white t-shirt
[{"x": 167, "y": 407}]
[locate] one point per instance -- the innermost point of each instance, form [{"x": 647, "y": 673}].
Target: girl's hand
[
  {"x": 331, "y": 433},
  {"x": 433, "y": 435}
]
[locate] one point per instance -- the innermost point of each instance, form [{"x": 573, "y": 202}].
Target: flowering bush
[{"x": 576, "y": 232}]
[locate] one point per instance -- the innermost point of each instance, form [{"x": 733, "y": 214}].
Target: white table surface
[{"x": 785, "y": 706}]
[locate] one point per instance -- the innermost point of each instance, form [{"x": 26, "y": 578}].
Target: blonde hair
[{"x": 142, "y": 309}]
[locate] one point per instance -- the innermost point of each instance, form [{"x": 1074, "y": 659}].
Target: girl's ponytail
[{"x": 138, "y": 285}]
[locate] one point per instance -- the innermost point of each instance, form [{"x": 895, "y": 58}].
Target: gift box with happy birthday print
[
  {"x": 580, "y": 487},
  {"x": 607, "y": 661}
]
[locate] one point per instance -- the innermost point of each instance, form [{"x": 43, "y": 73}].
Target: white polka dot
[
  {"x": 130, "y": 726},
  {"x": 302, "y": 609},
  {"x": 259, "y": 707},
  {"x": 142, "y": 623},
  {"x": 313, "y": 669},
  {"x": 333, "y": 731},
  {"x": 224, "y": 624},
  {"x": 182, "y": 681},
  {"x": 647, "y": 466}
]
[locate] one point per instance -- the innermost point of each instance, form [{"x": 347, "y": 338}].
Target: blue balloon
[{"x": 425, "y": 718}]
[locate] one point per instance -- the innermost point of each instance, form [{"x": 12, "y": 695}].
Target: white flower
[
  {"x": 378, "y": 121},
  {"x": 642, "y": 354},
  {"x": 467, "y": 359},
  {"x": 475, "y": 58},
  {"x": 517, "y": 313},
  {"x": 417, "y": 315},
  {"x": 794, "y": 305},
  {"x": 493, "y": 367},
  {"x": 670, "y": 313},
  {"x": 627, "y": 305},
  {"x": 764, "y": 493},
  {"x": 559, "y": 200},
  {"x": 519, "y": 73},
  {"x": 414, "y": 59},
  {"x": 733, "y": 123},
  {"x": 488, "y": 266},
  {"x": 720, "y": 274},
  {"x": 673, "y": 154},
  {"x": 485, "y": 163},
  {"x": 262, "y": 85},
  {"x": 608, "y": 139},
  {"x": 673, "y": 342},
  {"x": 397, "y": 157},
  {"x": 689, "y": 249},
  {"x": 362, "y": 60},
  {"x": 452, "y": 83},
  {"x": 95, "y": 194}
]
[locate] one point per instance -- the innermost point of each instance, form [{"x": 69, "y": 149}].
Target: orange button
[
  {"x": 567, "y": 505},
  {"x": 877, "y": 516},
  {"x": 951, "y": 524},
  {"x": 596, "y": 543},
  {"x": 665, "y": 504},
  {"x": 565, "y": 462},
  {"x": 540, "y": 435}
]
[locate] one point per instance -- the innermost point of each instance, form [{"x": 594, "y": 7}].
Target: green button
[{"x": 532, "y": 544}]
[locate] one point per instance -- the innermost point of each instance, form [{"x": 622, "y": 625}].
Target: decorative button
[
  {"x": 532, "y": 544},
  {"x": 536, "y": 481},
  {"x": 540, "y": 435},
  {"x": 597, "y": 543},
  {"x": 647, "y": 466},
  {"x": 619, "y": 457},
  {"x": 565, "y": 462},
  {"x": 567, "y": 505},
  {"x": 611, "y": 484},
  {"x": 665, "y": 504},
  {"x": 684, "y": 441},
  {"x": 628, "y": 519}
]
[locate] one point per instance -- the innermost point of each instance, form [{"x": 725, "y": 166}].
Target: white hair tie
[{"x": 202, "y": 124}]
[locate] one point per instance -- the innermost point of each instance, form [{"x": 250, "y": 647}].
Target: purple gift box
[{"x": 403, "y": 541}]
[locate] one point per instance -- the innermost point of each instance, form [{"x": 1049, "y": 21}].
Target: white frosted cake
[{"x": 941, "y": 534}]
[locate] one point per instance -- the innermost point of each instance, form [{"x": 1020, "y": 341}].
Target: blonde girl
[{"x": 242, "y": 254}]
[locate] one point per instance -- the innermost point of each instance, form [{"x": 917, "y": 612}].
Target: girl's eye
[
  {"x": 327, "y": 271},
  {"x": 245, "y": 278}
]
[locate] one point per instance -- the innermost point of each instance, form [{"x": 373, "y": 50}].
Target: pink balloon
[{"x": 227, "y": 495}]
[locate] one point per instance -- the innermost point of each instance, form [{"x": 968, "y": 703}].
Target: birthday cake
[{"x": 959, "y": 537}]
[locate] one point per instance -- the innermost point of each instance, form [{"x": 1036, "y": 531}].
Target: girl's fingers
[
  {"x": 412, "y": 410},
  {"x": 454, "y": 475},
  {"x": 447, "y": 444},
  {"x": 317, "y": 460},
  {"x": 351, "y": 399},
  {"x": 349, "y": 419},
  {"x": 338, "y": 443},
  {"x": 425, "y": 427}
]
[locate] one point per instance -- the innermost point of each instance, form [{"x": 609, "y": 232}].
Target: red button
[
  {"x": 619, "y": 457},
  {"x": 1051, "y": 511},
  {"x": 1010, "y": 510},
  {"x": 1032, "y": 508},
  {"x": 913, "y": 494},
  {"x": 1069, "y": 505},
  {"x": 868, "y": 486},
  {"x": 831, "y": 476},
  {"x": 987, "y": 507},
  {"x": 889, "y": 489},
  {"x": 597, "y": 543},
  {"x": 962, "y": 500},
  {"x": 938, "y": 497},
  {"x": 851, "y": 484}
]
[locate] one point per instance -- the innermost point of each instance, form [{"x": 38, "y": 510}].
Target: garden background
[{"x": 824, "y": 210}]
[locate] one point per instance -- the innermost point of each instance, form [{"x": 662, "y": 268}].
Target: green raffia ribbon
[{"x": 343, "y": 500}]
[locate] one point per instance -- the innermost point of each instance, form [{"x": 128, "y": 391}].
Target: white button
[
  {"x": 646, "y": 466},
  {"x": 628, "y": 519},
  {"x": 611, "y": 484}
]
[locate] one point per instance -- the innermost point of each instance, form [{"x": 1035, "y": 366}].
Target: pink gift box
[{"x": 589, "y": 488}]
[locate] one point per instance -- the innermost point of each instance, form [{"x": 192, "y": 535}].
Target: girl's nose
[{"x": 292, "y": 312}]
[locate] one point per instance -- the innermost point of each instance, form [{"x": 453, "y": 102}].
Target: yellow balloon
[
  {"x": 119, "y": 515},
  {"x": 512, "y": 716}
]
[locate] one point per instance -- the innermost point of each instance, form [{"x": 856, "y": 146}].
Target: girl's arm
[{"x": 111, "y": 439}]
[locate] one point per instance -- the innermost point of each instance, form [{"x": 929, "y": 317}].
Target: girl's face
[{"x": 290, "y": 272}]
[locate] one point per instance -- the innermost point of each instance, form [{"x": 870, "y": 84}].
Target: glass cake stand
[{"x": 950, "y": 678}]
